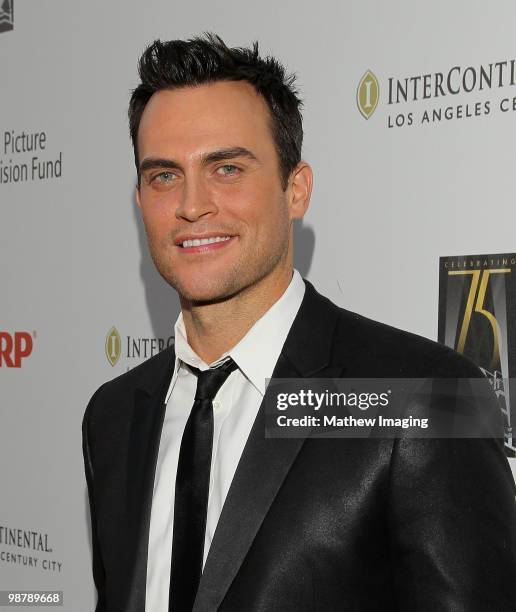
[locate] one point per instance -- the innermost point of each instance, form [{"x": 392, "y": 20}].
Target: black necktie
[{"x": 192, "y": 487}]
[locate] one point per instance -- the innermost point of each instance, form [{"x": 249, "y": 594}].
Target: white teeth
[{"x": 199, "y": 242}]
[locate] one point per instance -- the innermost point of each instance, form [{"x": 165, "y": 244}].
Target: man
[{"x": 181, "y": 478}]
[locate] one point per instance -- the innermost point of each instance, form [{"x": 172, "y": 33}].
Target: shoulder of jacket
[
  {"x": 132, "y": 379},
  {"x": 411, "y": 352}
]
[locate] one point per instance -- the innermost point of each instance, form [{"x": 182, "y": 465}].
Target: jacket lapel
[
  {"x": 306, "y": 353},
  {"x": 144, "y": 437}
]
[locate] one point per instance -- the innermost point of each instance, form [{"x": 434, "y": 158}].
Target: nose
[{"x": 195, "y": 201}]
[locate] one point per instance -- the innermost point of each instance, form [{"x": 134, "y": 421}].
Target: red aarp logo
[{"x": 14, "y": 348}]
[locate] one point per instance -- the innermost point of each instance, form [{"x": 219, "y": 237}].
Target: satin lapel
[
  {"x": 247, "y": 502},
  {"x": 260, "y": 473},
  {"x": 265, "y": 462},
  {"x": 147, "y": 422}
]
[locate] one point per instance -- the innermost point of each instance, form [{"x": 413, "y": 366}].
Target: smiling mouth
[{"x": 203, "y": 241}]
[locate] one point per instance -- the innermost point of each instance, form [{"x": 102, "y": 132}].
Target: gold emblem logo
[
  {"x": 368, "y": 94},
  {"x": 113, "y": 346},
  {"x": 476, "y": 305}
]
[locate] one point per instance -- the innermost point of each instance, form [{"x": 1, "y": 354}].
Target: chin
[{"x": 203, "y": 291}]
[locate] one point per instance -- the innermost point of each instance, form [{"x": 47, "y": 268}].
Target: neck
[{"x": 214, "y": 328}]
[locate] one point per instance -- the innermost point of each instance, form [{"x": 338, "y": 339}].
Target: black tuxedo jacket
[{"x": 315, "y": 524}]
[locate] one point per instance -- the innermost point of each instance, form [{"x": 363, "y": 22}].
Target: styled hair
[{"x": 206, "y": 59}]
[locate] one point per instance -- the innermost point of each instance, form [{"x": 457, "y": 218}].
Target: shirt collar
[{"x": 258, "y": 351}]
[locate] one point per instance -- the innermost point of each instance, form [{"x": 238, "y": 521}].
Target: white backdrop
[{"x": 387, "y": 203}]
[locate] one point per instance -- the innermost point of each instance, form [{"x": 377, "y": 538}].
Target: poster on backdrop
[{"x": 477, "y": 294}]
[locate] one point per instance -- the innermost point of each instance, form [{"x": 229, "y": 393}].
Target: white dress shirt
[{"x": 234, "y": 410}]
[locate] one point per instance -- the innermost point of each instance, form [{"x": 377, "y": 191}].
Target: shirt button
[{"x": 216, "y": 405}]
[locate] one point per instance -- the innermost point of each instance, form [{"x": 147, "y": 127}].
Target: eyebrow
[{"x": 207, "y": 158}]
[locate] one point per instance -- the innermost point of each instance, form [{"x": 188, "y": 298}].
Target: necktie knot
[{"x": 210, "y": 381}]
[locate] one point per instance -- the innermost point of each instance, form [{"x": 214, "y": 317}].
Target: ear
[
  {"x": 300, "y": 190},
  {"x": 137, "y": 194}
]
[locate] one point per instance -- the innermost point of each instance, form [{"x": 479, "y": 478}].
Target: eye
[
  {"x": 228, "y": 170},
  {"x": 163, "y": 177}
]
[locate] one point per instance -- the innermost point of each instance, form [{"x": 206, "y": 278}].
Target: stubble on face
[{"x": 255, "y": 263}]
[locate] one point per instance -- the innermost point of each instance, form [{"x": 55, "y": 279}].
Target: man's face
[{"x": 210, "y": 170}]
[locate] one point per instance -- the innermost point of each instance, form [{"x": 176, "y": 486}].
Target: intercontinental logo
[
  {"x": 368, "y": 94},
  {"x": 113, "y": 346},
  {"x": 27, "y": 548},
  {"x": 6, "y": 15},
  {"x": 132, "y": 348},
  {"x": 430, "y": 98}
]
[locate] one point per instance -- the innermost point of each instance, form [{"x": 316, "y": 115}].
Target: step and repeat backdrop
[{"x": 410, "y": 125}]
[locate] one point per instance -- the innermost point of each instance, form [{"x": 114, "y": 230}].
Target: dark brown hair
[{"x": 205, "y": 59}]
